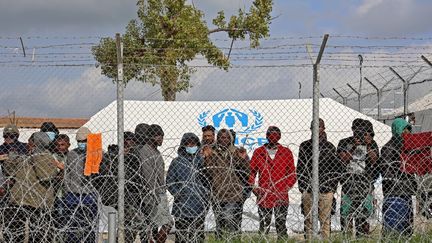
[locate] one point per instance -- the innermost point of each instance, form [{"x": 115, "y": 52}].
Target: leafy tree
[{"x": 169, "y": 33}]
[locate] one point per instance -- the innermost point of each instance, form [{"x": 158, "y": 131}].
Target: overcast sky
[
  {"x": 81, "y": 92},
  {"x": 105, "y": 17}
]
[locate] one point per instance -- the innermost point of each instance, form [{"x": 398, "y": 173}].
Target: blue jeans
[{"x": 81, "y": 216}]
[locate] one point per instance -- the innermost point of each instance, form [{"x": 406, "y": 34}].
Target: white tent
[
  {"x": 293, "y": 117},
  {"x": 249, "y": 119},
  {"x": 424, "y": 103}
]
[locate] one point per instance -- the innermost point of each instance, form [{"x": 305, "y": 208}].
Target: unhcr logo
[{"x": 243, "y": 123}]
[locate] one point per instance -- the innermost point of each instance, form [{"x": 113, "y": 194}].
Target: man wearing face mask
[
  {"x": 274, "y": 164},
  {"x": 189, "y": 188},
  {"x": 32, "y": 195},
  {"x": 11, "y": 143},
  {"x": 51, "y": 130},
  {"x": 224, "y": 166},
  {"x": 80, "y": 199}
]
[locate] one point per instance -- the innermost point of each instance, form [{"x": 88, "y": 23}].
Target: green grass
[
  {"x": 338, "y": 237},
  {"x": 250, "y": 237}
]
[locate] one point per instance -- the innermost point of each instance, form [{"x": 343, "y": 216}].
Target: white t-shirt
[
  {"x": 271, "y": 152},
  {"x": 358, "y": 163}
]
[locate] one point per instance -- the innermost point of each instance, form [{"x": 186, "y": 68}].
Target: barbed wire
[
  {"x": 297, "y": 131},
  {"x": 280, "y": 55},
  {"x": 272, "y": 47},
  {"x": 274, "y": 55},
  {"x": 227, "y": 39},
  {"x": 298, "y": 65},
  {"x": 252, "y": 53},
  {"x": 381, "y": 37},
  {"x": 388, "y": 73}
]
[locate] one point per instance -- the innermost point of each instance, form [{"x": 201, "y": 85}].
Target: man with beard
[
  {"x": 224, "y": 167},
  {"x": 208, "y": 135}
]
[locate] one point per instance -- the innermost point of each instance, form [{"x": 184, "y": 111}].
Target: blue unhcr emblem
[{"x": 233, "y": 119}]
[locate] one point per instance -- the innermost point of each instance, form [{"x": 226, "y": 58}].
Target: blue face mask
[
  {"x": 82, "y": 146},
  {"x": 192, "y": 150},
  {"x": 51, "y": 135}
]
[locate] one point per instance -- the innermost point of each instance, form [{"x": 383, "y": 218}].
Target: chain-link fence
[{"x": 230, "y": 160}]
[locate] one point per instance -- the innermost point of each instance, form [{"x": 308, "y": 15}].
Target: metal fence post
[
  {"x": 358, "y": 95},
  {"x": 378, "y": 96},
  {"x": 360, "y": 85},
  {"x": 315, "y": 149},
  {"x": 426, "y": 60},
  {"x": 344, "y": 99},
  {"x": 315, "y": 138},
  {"x": 406, "y": 84},
  {"x": 111, "y": 227},
  {"x": 120, "y": 138},
  {"x": 405, "y": 91}
]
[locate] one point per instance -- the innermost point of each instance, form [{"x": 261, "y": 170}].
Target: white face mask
[
  {"x": 192, "y": 150},
  {"x": 82, "y": 145},
  {"x": 51, "y": 135}
]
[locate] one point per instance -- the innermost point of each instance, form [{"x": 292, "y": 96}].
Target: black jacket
[
  {"x": 17, "y": 147},
  {"x": 107, "y": 181},
  {"x": 358, "y": 182},
  {"x": 395, "y": 182},
  {"x": 329, "y": 167}
]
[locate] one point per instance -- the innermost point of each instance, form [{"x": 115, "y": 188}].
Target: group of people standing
[
  {"x": 44, "y": 183},
  {"x": 32, "y": 183},
  {"x": 230, "y": 176},
  {"x": 356, "y": 164}
]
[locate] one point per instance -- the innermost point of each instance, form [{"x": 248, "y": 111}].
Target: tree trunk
[
  {"x": 169, "y": 94},
  {"x": 169, "y": 87}
]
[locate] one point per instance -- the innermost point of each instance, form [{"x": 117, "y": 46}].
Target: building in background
[
  {"x": 419, "y": 114},
  {"x": 28, "y": 125}
]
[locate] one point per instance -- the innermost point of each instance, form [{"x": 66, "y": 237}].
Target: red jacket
[
  {"x": 416, "y": 153},
  {"x": 276, "y": 176}
]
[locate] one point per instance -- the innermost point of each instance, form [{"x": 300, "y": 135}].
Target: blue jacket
[{"x": 187, "y": 184}]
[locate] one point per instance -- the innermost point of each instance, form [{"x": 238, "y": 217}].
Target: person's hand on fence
[
  {"x": 58, "y": 164},
  {"x": 372, "y": 153},
  {"x": 206, "y": 151},
  {"x": 346, "y": 157}
]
